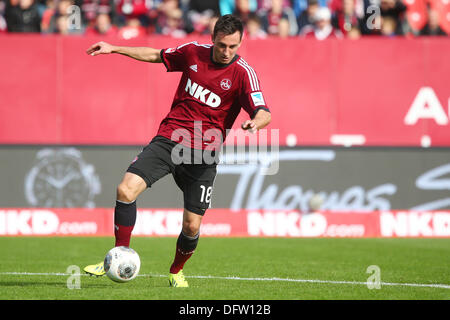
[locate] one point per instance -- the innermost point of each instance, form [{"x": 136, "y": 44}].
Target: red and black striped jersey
[{"x": 209, "y": 96}]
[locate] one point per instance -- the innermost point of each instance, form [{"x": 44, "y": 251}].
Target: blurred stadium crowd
[{"x": 318, "y": 19}]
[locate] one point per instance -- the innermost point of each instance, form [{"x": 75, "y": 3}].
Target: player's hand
[
  {"x": 249, "y": 125},
  {"x": 100, "y": 48}
]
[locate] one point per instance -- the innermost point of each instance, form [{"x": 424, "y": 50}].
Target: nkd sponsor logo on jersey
[{"x": 202, "y": 94}]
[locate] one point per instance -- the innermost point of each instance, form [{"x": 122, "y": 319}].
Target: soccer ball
[
  {"x": 122, "y": 264},
  {"x": 315, "y": 202}
]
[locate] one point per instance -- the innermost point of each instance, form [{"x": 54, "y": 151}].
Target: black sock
[
  {"x": 185, "y": 248},
  {"x": 124, "y": 221},
  {"x": 186, "y": 243}
]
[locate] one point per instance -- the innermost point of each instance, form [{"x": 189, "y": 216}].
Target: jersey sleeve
[
  {"x": 251, "y": 97},
  {"x": 175, "y": 58}
]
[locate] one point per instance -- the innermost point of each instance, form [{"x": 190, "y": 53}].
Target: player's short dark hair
[{"x": 228, "y": 24}]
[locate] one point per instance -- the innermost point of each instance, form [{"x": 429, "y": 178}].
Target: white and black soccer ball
[
  {"x": 315, "y": 202},
  {"x": 122, "y": 264}
]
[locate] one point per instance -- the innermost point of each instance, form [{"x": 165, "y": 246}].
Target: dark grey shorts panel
[
  {"x": 195, "y": 180},
  {"x": 153, "y": 162}
]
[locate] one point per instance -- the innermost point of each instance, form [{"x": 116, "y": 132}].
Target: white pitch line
[{"x": 437, "y": 285}]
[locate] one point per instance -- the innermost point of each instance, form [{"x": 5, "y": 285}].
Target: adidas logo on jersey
[
  {"x": 202, "y": 94},
  {"x": 193, "y": 67}
]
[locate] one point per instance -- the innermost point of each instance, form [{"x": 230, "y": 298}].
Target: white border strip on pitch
[{"x": 430, "y": 285}]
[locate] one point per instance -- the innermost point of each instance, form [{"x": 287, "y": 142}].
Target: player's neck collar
[{"x": 222, "y": 65}]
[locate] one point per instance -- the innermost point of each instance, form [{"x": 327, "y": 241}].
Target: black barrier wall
[{"x": 360, "y": 179}]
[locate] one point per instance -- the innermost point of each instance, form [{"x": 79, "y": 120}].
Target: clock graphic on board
[{"x": 61, "y": 179}]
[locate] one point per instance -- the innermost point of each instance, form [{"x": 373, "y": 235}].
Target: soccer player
[{"x": 215, "y": 84}]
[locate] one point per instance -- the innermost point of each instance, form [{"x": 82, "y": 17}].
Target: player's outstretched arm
[
  {"x": 146, "y": 54},
  {"x": 261, "y": 120}
]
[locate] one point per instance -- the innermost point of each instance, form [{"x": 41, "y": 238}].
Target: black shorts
[{"x": 195, "y": 179}]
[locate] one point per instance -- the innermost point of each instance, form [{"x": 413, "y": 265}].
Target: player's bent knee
[
  {"x": 191, "y": 223},
  {"x": 125, "y": 193},
  {"x": 191, "y": 230},
  {"x": 131, "y": 186}
]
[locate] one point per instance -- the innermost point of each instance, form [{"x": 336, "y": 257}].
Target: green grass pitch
[{"x": 232, "y": 269}]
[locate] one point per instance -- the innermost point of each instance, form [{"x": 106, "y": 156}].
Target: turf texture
[{"x": 231, "y": 269}]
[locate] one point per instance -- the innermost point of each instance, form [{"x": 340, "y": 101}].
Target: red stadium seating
[
  {"x": 443, "y": 7},
  {"x": 416, "y": 13}
]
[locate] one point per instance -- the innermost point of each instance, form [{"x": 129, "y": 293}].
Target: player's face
[{"x": 226, "y": 46}]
